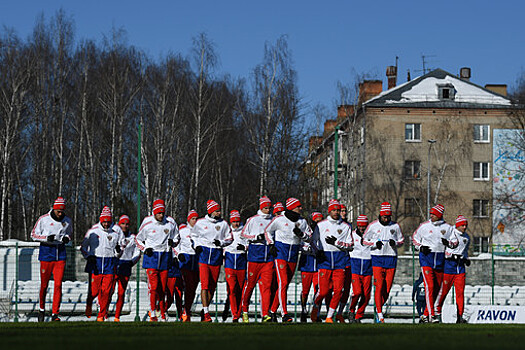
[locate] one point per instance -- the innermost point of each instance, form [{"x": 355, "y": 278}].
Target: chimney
[
  {"x": 464, "y": 73},
  {"x": 369, "y": 89},
  {"x": 497, "y": 88},
  {"x": 329, "y": 127},
  {"x": 391, "y": 74},
  {"x": 408, "y": 75},
  {"x": 313, "y": 142},
  {"x": 345, "y": 111}
]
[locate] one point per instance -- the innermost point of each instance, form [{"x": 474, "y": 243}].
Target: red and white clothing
[
  {"x": 332, "y": 266},
  {"x": 429, "y": 234},
  {"x": 260, "y": 267},
  {"x": 52, "y": 255},
  {"x": 130, "y": 256},
  {"x": 235, "y": 270},
  {"x": 361, "y": 262},
  {"x": 280, "y": 232},
  {"x": 384, "y": 258},
  {"x": 156, "y": 235},
  {"x": 189, "y": 267},
  {"x": 102, "y": 244}
]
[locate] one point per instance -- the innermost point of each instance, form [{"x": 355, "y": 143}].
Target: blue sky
[{"x": 330, "y": 40}]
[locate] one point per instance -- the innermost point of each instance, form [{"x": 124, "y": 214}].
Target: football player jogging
[
  {"x": 188, "y": 264},
  {"x": 102, "y": 245},
  {"x": 332, "y": 239},
  {"x": 235, "y": 265},
  {"x": 384, "y": 237},
  {"x": 210, "y": 234},
  {"x": 289, "y": 230},
  {"x": 348, "y": 278},
  {"x": 428, "y": 240},
  {"x": 53, "y": 230},
  {"x": 260, "y": 261},
  {"x": 456, "y": 258},
  {"x": 158, "y": 234},
  {"x": 308, "y": 268},
  {"x": 361, "y": 263},
  {"x": 130, "y": 256}
]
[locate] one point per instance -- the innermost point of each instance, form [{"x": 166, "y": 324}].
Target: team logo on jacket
[
  {"x": 51, "y": 224},
  {"x": 63, "y": 224},
  {"x": 465, "y": 240},
  {"x": 217, "y": 228},
  {"x": 443, "y": 232},
  {"x": 281, "y": 266},
  {"x": 251, "y": 274},
  {"x": 445, "y": 281},
  {"x": 166, "y": 231},
  {"x": 339, "y": 231},
  {"x": 110, "y": 238},
  {"x": 392, "y": 231}
]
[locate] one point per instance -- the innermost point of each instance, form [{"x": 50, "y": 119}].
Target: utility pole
[
  {"x": 336, "y": 160},
  {"x": 430, "y": 143}
]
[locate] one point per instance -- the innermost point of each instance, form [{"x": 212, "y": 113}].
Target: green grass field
[{"x": 90, "y": 335}]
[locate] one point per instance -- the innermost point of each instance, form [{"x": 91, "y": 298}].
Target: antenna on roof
[{"x": 424, "y": 61}]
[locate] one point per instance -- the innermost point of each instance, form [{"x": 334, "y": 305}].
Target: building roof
[{"x": 423, "y": 91}]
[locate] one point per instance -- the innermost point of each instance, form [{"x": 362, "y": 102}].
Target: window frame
[
  {"x": 479, "y": 167},
  {"x": 414, "y": 139},
  {"x": 481, "y": 133},
  {"x": 483, "y": 208},
  {"x": 412, "y": 172},
  {"x": 413, "y": 204}
]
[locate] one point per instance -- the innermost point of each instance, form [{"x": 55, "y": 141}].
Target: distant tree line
[{"x": 69, "y": 117}]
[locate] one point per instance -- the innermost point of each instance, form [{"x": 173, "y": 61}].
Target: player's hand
[
  {"x": 320, "y": 256},
  {"x": 241, "y": 247},
  {"x": 181, "y": 258},
  {"x": 272, "y": 249},
  {"x": 65, "y": 239},
  {"x": 392, "y": 243},
  {"x": 198, "y": 250},
  {"x": 217, "y": 242},
  {"x": 445, "y": 242},
  {"x": 50, "y": 238},
  {"x": 466, "y": 262},
  {"x": 297, "y": 231},
  {"x": 149, "y": 252},
  {"x": 330, "y": 240},
  {"x": 379, "y": 245},
  {"x": 425, "y": 249},
  {"x": 118, "y": 249},
  {"x": 260, "y": 237}
]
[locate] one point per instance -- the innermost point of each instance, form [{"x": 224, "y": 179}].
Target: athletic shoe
[
  {"x": 267, "y": 319},
  {"x": 438, "y": 317},
  {"x": 379, "y": 320},
  {"x": 357, "y": 320},
  {"x": 245, "y": 317},
  {"x": 339, "y": 318},
  {"x": 225, "y": 315},
  {"x": 235, "y": 320},
  {"x": 55, "y": 318},
  {"x": 461, "y": 320},
  {"x": 329, "y": 320},
  {"x": 116, "y": 319},
  {"x": 41, "y": 316},
  {"x": 287, "y": 318},
  {"x": 207, "y": 317},
  {"x": 435, "y": 319},
  {"x": 100, "y": 319},
  {"x": 164, "y": 318},
  {"x": 314, "y": 315},
  {"x": 185, "y": 317},
  {"x": 303, "y": 317},
  {"x": 273, "y": 315},
  {"x": 153, "y": 316},
  {"x": 351, "y": 317},
  {"x": 423, "y": 319},
  {"x": 89, "y": 310}
]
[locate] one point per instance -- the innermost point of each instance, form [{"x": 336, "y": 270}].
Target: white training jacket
[
  {"x": 361, "y": 251},
  {"x": 130, "y": 251},
  {"x": 339, "y": 229},
  {"x": 459, "y": 244},
  {"x": 46, "y": 226},
  {"x": 282, "y": 229},
  {"x": 237, "y": 239},
  {"x": 155, "y": 234},
  {"x": 100, "y": 242},
  {"x": 384, "y": 233},
  {"x": 207, "y": 230},
  {"x": 430, "y": 233},
  {"x": 255, "y": 226},
  {"x": 186, "y": 244}
]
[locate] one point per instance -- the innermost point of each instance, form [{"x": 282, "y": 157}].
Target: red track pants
[
  {"x": 101, "y": 287},
  {"x": 308, "y": 279},
  {"x": 383, "y": 279},
  {"x": 262, "y": 273},
  {"x": 346, "y": 286},
  {"x": 209, "y": 274},
  {"x": 157, "y": 287},
  {"x": 191, "y": 282},
  {"x": 361, "y": 292},
  {"x": 122, "y": 282},
  {"x": 459, "y": 285},
  {"x": 285, "y": 272},
  {"x": 235, "y": 281},
  {"x": 174, "y": 293},
  {"x": 46, "y": 269},
  {"x": 330, "y": 280},
  {"x": 432, "y": 279}
]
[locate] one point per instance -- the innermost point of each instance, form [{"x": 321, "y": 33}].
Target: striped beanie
[
  {"x": 158, "y": 206},
  {"x": 235, "y": 216},
  {"x": 124, "y": 219},
  {"x": 212, "y": 206},
  {"x": 362, "y": 220},
  {"x": 437, "y": 210},
  {"x": 292, "y": 203},
  {"x": 333, "y": 205},
  {"x": 461, "y": 220},
  {"x": 264, "y": 202},
  {"x": 316, "y": 216},
  {"x": 192, "y": 214},
  {"x": 278, "y": 207},
  {"x": 386, "y": 209},
  {"x": 106, "y": 214},
  {"x": 60, "y": 204}
]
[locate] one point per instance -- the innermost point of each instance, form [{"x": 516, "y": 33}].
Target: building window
[
  {"x": 362, "y": 135},
  {"x": 481, "y": 245},
  {"x": 446, "y": 92},
  {"x": 411, "y": 207},
  {"x": 413, "y": 132},
  {"x": 412, "y": 169},
  {"x": 481, "y": 133},
  {"x": 481, "y": 171},
  {"x": 480, "y": 208}
]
